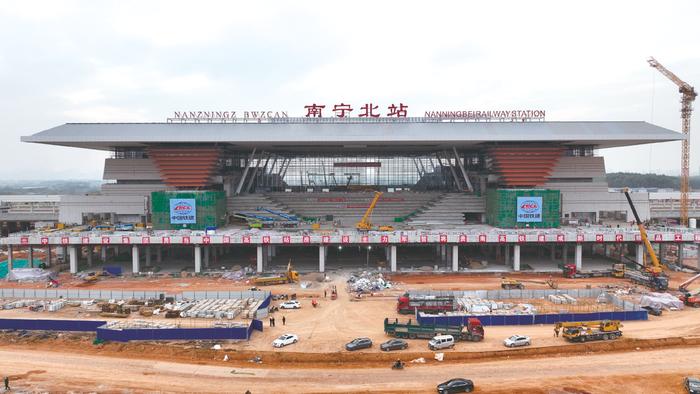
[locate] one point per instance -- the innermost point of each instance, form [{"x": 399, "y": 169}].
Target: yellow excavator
[{"x": 364, "y": 224}]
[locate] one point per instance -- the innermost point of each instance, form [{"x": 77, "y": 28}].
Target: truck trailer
[
  {"x": 473, "y": 331},
  {"x": 408, "y": 303}
]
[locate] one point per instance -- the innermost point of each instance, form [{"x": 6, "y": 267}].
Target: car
[
  {"x": 284, "y": 340},
  {"x": 692, "y": 385},
  {"x": 653, "y": 310},
  {"x": 358, "y": 343},
  {"x": 517, "y": 340},
  {"x": 441, "y": 342},
  {"x": 393, "y": 344},
  {"x": 293, "y": 304},
  {"x": 457, "y": 385}
]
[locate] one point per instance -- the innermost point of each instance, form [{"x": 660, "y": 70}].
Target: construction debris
[
  {"x": 661, "y": 301},
  {"x": 367, "y": 282},
  {"x": 488, "y": 307},
  {"x": 561, "y": 299},
  {"x": 30, "y": 275},
  {"x": 137, "y": 324}
]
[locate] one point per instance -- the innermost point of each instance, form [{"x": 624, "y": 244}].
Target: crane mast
[{"x": 688, "y": 95}]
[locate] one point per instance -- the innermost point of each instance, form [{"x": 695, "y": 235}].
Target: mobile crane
[
  {"x": 650, "y": 276},
  {"x": 364, "y": 224},
  {"x": 688, "y": 298},
  {"x": 590, "y": 330}
]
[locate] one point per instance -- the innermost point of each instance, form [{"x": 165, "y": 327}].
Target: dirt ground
[
  {"x": 657, "y": 371},
  {"x": 318, "y": 363}
]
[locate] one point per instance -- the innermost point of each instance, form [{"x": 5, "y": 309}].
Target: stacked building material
[
  {"x": 480, "y": 306},
  {"x": 561, "y": 299},
  {"x": 137, "y": 324},
  {"x": 368, "y": 282}
]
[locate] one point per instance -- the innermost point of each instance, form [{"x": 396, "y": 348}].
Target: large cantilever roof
[{"x": 304, "y": 134}]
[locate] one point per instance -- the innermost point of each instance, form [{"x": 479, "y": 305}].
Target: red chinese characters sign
[{"x": 367, "y": 110}]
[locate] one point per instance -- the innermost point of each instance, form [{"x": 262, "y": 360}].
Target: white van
[{"x": 441, "y": 342}]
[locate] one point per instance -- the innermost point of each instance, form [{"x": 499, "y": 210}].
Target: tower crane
[{"x": 688, "y": 95}]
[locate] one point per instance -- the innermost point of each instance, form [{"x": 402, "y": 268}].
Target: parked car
[
  {"x": 284, "y": 340},
  {"x": 692, "y": 385},
  {"x": 517, "y": 340},
  {"x": 653, "y": 310},
  {"x": 394, "y": 344},
  {"x": 458, "y": 385},
  {"x": 293, "y": 304},
  {"x": 358, "y": 343},
  {"x": 441, "y": 342}
]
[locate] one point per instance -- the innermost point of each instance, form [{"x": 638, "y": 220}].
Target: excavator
[
  {"x": 688, "y": 298},
  {"x": 650, "y": 276},
  {"x": 364, "y": 224}
]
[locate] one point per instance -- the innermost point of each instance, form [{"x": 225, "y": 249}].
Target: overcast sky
[{"x": 123, "y": 61}]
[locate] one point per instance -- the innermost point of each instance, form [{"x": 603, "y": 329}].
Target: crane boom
[
  {"x": 656, "y": 269},
  {"x": 688, "y": 95},
  {"x": 364, "y": 223}
]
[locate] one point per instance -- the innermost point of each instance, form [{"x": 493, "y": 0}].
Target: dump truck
[
  {"x": 290, "y": 276},
  {"x": 408, "y": 303},
  {"x": 473, "y": 331},
  {"x": 590, "y": 330}
]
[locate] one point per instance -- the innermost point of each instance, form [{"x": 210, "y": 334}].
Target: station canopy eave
[{"x": 399, "y": 136}]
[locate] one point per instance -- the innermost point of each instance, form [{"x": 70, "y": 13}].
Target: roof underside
[{"x": 399, "y": 136}]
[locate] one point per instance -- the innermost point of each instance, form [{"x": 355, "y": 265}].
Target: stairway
[{"x": 449, "y": 210}]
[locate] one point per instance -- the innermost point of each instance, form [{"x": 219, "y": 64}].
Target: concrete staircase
[
  {"x": 348, "y": 207},
  {"x": 248, "y": 203},
  {"x": 449, "y": 209}
]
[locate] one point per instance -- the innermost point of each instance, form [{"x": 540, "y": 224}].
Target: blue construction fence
[
  {"x": 50, "y": 325},
  {"x": 520, "y": 320},
  {"x": 169, "y": 334},
  {"x": 125, "y": 335}
]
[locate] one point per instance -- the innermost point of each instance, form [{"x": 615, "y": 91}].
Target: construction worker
[
  {"x": 7, "y": 383},
  {"x": 324, "y": 293},
  {"x": 284, "y": 321},
  {"x": 556, "y": 332}
]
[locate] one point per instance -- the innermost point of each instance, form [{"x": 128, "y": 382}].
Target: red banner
[
  {"x": 638, "y": 237},
  {"x": 385, "y": 239},
  {"x": 424, "y": 239},
  {"x": 658, "y": 237},
  {"x": 105, "y": 240},
  {"x": 306, "y": 239},
  {"x": 85, "y": 240},
  {"x": 599, "y": 238},
  {"x": 560, "y": 237},
  {"x": 521, "y": 237},
  {"x": 227, "y": 239},
  {"x": 678, "y": 237},
  {"x": 165, "y": 240},
  {"x": 345, "y": 239},
  {"x": 266, "y": 239},
  {"x": 462, "y": 238},
  {"x": 325, "y": 239},
  {"x": 186, "y": 240},
  {"x": 145, "y": 240},
  {"x": 365, "y": 239},
  {"x": 24, "y": 240},
  {"x": 541, "y": 238},
  {"x": 246, "y": 239},
  {"x": 579, "y": 237},
  {"x": 404, "y": 239},
  {"x": 619, "y": 238},
  {"x": 443, "y": 238},
  {"x": 286, "y": 239},
  {"x": 482, "y": 238},
  {"x": 44, "y": 241},
  {"x": 502, "y": 238},
  {"x": 126, "y": 240}
]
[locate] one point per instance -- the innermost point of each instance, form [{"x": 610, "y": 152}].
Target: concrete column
[
  {"x": 443, "y": 253},
  {"x": 388, "y": 252},
  {"x": 579, "y": 257},
  {"x": 516, "y": 257},
  {"x": 553, "y": 253},
  {"x": 565, "y": 254},
  {"x": 640, "y": 254},
  {"x": 507, "y": 254},
  {"x": 393, "y": 258},
  {"x": 197, "y": 259},
  {"x": 135, "y": 262},
  {"x": 48, "y": 255},
  {"x": 10, "y": 257},
  {"x": 322, "y": 258},
  {"x": 206, "y": 255},
  {"x": 455, "y": 258},
  {"x": 89, "y": 255},
  {"x": 103, "y": 253},
  {"x": 73, "y": 259},
  {"x": 273, "y": 250},
  {"x": 260, "y": 258},
  {"x": 31, "y": 257},
  {"x": 148, "y": 255},
  {"x": 159, "y": 254}
]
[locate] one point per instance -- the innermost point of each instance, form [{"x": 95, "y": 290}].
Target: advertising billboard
[
  {"x": 529, "y": 209},
  {"x": 183, "y": 211}
]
